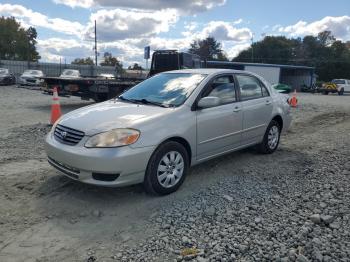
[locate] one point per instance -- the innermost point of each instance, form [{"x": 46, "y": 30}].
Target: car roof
[{"x": 207, "y": 71}]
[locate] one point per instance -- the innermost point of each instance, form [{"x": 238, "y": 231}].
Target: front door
[{"x": 219, "y": 128}]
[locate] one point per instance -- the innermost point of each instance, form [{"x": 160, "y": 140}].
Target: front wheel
[
  {"x": 167, "y": 169},
  {"x": 341, "y": 92},
  {"x": 271, "y": 138}
]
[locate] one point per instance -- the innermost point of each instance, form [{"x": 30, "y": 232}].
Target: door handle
[
  {"x": 268, "y": 102},
  {"x": 236, "y": 109}
]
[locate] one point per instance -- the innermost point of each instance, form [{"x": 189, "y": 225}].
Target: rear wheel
[
  {"x": 271, "y": 138},
  {"x": 167, "y": 169},
  {"x": 325, "y": 92}
]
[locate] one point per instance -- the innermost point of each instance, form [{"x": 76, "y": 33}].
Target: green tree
[
  {"x": 208, "y": 49},
  {"x": 135, "y": 66},
  {"x": 329, "y": 56},
  {"x": 271, "y": 49},
  {"x": 17, "y": 43},
  {"x": 83, "y": 61},
  {"x": 110, "y": 60}
]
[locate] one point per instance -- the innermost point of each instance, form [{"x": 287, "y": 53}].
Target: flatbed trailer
[
  {"x": 101, "y": 89},
  {"x": 89, "y": 87}
]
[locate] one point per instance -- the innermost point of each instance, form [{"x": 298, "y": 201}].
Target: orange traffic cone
[
  {"x": 294, "y": 101},
  {"x": 55, "y": 107}
]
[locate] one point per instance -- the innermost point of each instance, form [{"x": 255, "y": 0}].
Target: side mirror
[{"x": 209, "y": 101}]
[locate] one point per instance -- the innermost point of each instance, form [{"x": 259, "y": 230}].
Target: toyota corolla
[{"x": 154, "y": 132}]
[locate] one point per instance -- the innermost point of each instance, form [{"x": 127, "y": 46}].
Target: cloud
[
  {"x": 119, "y": 24},
  {"x": 224, "y": 31},
  {"x": 185, "y": 6},
  {"x": 190, "y": 26},
  {"x": 340, "y": 27},
  {"x": 30, "y": 18},
  {"x": 76, "y": 3},
  {"x": 236, "y": 49}
]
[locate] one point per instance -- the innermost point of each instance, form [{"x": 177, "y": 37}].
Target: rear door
[
  {"x": 219, "y": 128},
  {"x": 257, "y": 108}
]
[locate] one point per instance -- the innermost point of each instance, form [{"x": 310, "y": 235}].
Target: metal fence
[{"x": 54, "y": 69}]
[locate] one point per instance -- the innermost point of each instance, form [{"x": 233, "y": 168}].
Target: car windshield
[
  {"x": 167, "y": 89},
  {"x": 3, "y": 71},
  {"x": 338, "y": 81},
  {"x": 32, "y": 72},
  {"x": 70, "y": 73}
]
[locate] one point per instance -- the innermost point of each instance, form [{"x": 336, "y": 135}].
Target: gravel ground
[{"x": 289, "y": 206}]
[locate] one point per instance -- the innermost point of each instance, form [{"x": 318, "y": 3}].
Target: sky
[{"x": 125, "y": 27}]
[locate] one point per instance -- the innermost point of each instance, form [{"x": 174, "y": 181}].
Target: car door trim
[
  {"x": 231, "y": 134},
  {"x": 224, "y": 152},
  {"x": 219, "y": 137}
]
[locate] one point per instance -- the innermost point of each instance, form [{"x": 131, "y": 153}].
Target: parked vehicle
[
  {"x": 70, "y": 73},
  {"x": 339, "y": 86},
  {"x": 6, "y": 78},
  {"x": 282, "y": 88},
  {"x": 106, "y": 76},
  {"x": 31, "y": 78},
  {"x": 155, "y": 131}
]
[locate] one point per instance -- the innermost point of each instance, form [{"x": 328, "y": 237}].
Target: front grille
[{"x": 68, "y": 135}]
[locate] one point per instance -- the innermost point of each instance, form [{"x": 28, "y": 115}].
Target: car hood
[{"x": 110, "y": 115}]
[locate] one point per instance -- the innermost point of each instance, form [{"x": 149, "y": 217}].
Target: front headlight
[{"x": 114, "y": 138}]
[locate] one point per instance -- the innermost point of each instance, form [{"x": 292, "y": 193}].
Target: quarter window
[
  {"x": 251, "y": 87},
  {"x": 222, "y": 87}
]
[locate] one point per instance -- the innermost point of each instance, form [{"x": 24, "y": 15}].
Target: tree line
[{"x": 330, "y": 56}]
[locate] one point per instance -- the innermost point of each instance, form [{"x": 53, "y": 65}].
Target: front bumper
[{"x": 124, "y": 165}]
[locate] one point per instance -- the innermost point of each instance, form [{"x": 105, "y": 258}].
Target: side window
[
  {"x": 264, "y": 90},
  {"x": 251, "y": 87},
  {"x": 222, "y": 87}
]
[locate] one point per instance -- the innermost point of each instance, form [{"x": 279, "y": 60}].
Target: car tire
[
  {"x": 341, "y": 92},
  {"x": 166, "y": 169},
  {"x": 271, "y": 138}
]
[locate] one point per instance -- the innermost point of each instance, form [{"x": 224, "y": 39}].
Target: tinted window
[
  {"x": 222, "y": 87},
  {"x": 251, "y": 87}
]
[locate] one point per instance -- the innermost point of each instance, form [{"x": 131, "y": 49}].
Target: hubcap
[
  {"x": 273, "y": 137},
  {"x": 170, "y": 169}
]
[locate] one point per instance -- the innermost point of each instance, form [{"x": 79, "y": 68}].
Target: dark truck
[{"x": 104, "y": 88}]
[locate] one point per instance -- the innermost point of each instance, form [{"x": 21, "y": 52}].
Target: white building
[{"x": 294, "y": 76}]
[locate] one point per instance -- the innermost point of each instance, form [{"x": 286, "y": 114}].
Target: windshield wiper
[{"x": 143, "y": 101}]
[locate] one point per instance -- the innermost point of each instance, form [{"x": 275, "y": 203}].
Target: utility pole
[
  {"x": 95, "y": 45},
  {"x": 252, "y": 48}
]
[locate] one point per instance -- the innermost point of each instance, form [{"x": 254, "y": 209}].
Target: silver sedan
[{"x": 155, "y": 131}]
